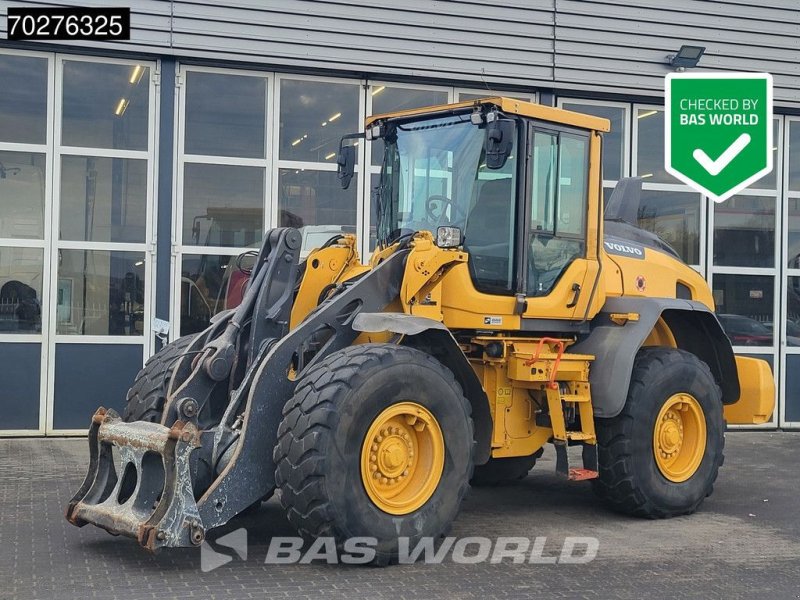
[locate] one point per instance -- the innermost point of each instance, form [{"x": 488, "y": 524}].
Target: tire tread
[
  {"x": 146, "y": 397},
  {"x": 617, "y": 482},
  {"x": 300, "y": 454}
]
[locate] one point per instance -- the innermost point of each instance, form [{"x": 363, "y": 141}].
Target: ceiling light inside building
[
  {"x": 300, "y": 139},
  {"x": 136, "y": 74},
  {"x": 646, "y": 175},
  {"x": 646, "y": 114},
  {"x": 378, "y": 90},
  {"x": 334, "y": 117},
  {"x": 122, "y": 105},
  {"x": 330, "y": 156}
]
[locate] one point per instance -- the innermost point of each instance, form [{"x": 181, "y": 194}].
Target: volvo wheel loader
[{"x": 500, "y": 312}]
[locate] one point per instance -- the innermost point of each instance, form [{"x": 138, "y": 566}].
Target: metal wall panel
[
  {"x": 151, "y": 23},
  {"x": 91, "y": 375},
  {"x": 617, "y": 46},
  {"x": 19, "y": 382},
  {"x": 511, "y": 42},
  {"x": 623, "y": 46}
]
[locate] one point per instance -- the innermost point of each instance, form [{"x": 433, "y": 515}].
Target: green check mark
[{"x": 714, "y": 167}]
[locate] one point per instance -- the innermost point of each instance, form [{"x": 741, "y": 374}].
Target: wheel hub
[
  {"x": 671, "y": 436},
  {"x": 679, "y": 437},
  {"x": 391, "y": 454},
  {"x": 402, "y": 458}
]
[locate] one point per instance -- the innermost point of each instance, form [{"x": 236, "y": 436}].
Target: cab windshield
[{"x": 434, "y": 173}]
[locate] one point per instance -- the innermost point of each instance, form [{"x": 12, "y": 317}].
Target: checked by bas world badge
[{"x": 718, "y": 130}]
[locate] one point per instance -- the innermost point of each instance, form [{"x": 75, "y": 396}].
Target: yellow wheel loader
[{"x": 501, "y": 311}]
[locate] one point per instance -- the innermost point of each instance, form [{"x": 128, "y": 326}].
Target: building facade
[{"x": 132, "y": 174}]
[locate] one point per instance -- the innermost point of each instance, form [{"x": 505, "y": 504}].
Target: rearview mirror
[
  {"x": 345, "y": 165},
  {"x": 499, "y": 141}
]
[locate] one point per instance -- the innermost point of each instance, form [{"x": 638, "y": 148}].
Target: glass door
[{"x": 101, "y": 239}]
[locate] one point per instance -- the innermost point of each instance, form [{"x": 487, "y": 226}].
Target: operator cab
[{"x": 509, "y": 181}]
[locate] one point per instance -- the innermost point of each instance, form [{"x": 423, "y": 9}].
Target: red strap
[{"x": 559, "y": 348}]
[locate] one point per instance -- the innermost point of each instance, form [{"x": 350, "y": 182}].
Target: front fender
[{"x": 433, "y": 337}]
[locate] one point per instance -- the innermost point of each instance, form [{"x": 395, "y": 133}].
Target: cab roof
[{"x": 509, "y": 106}]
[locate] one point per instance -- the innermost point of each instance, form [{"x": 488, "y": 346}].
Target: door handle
[{"x": 576, "y": 291}]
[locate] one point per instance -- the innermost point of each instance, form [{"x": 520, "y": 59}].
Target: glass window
[
  {"x": 793, "y": 225},
  {"x": 105, "y": 105},
  {"x": 794, "y": 156},
  {"x": 103, "y": 199},
  {"x": 223, "y": 205},
  {"x": 466, "y": 96},
  {"x": 613, "y": 141},
  {"x": 607, "y": 191},
  {"x": 314, "y": 116},
  {"x": 374, "y": 181},
  {"x": 387, "y": 99},
  {"x": 744, "y": 231},
  {"x": 209, "y": 284},
  {"x": 23, "y": 99},
  {"x": 675, "y": 218},
  {"x": 744, "y": 305},
  {"x": 22, "y": 188},
  {"x": 792, "y": 398},
  {"x": 768, "y": 181},
  {"x": 100, "y": 292},
  {"x": 573, "y": 181},
  {"x": 793, "y": 311},
  {"x": 544, "y": 165},
  {"x": 21, "y": 290},
  {"x": 435, "y": 174},
  {"x": 315, "y": 198},
  {"x": 225, "y": 115},
  {"x": 650, "y": 151},
  {"x": 558, "y": 211}
]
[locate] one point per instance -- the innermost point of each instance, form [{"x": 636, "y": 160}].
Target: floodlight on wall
[{"x": 687, "y": 57}]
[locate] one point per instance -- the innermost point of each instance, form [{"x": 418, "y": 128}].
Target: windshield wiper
[{"x": 423, "y": 126}]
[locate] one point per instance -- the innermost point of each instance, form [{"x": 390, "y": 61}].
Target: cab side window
[{"x": 558, "y": 184}]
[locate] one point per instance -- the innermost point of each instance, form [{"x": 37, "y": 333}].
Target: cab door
[{"x": 559, "y": 269}]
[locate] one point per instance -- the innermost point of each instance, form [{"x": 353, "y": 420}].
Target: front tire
[
  {"x": 660, "y": 456},
  {"x": 503, "y": 471},
  {"x": 146, "y": 397},
  {"x": 376, "y": 442}
]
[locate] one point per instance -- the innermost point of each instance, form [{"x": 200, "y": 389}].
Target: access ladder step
[
  {"x": 576, "y": 474},
  {"x": 580, "y": 436},
  {"x": 575, "y": 398}
]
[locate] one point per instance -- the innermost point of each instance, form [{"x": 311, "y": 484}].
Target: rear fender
[{"x": 693, "y": 326}]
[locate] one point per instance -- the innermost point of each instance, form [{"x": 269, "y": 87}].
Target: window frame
[
  {"x": 525, "y": 202},
  {"x": 627, "y": 109}
]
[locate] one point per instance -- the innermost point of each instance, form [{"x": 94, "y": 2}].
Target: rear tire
[
  {"x": 632, "y": 479},
  {"x": 322, "y": 450},
  {"x": 502, "y": 471},
  {"x": 145, "y": 399}
]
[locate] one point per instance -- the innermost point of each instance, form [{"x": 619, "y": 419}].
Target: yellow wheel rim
[
  {"x": 402, "y": 458},
  {"x": 679, "y": 437}
]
